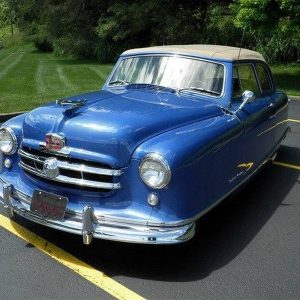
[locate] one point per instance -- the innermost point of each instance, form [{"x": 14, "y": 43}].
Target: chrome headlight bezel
[
  {"x": 13, "y": 140},
  {"x": 164, "y": 165}
]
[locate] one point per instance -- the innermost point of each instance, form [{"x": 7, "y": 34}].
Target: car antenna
[
  {"x": 237, "y": 69},
  {"x": 238, "y": 59}
]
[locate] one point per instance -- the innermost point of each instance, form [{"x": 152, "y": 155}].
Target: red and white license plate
[{"x": 49, "y": 206}]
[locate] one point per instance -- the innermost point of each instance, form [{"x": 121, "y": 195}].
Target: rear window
[{"x": 264, "y": 78}]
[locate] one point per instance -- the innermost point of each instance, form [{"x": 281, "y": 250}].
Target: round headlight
[
  {"x": 8, "y": 141},
  {"x": 155, "y": 171}
]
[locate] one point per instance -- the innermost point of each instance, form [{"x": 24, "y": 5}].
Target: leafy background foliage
[{"x": 103, "y": 29}]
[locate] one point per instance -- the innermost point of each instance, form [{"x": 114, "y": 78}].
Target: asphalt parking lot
[{"x": 248, "y": 247}]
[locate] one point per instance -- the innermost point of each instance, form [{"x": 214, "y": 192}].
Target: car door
[
  {"x": 279, "y": 102},
  {"x": 258, "y": 117}
]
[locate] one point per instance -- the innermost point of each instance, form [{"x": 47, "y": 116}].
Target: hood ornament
[
  {"x": 54, "y": 142},
  {"x": 71, "y": 104}
]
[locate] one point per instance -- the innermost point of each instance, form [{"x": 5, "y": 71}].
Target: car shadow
[
  {"x": 288, "y": 155},
  {"x": 222, "y": 234}
]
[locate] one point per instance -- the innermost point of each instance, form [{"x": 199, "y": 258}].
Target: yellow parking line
[
  {"x": 96, "y": 277},
  {"x": 277, "y": 163},
  {"x": 294, "y": 120}
]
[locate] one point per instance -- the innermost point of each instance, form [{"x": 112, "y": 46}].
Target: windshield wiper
[
  {"x": 157, "y": 86},
  {"x": 139, "y": 84},
  {"x": 119, "y": 82},
  {"x": 197, "y": 89}
]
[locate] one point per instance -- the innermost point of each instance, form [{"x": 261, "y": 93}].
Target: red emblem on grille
[{"x": 54, "y": 142}]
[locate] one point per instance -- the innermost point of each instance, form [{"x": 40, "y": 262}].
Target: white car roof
[{"x": 211, "y": 51}]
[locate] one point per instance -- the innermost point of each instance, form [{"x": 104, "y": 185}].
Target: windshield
[{"x": 174, "y": 72}]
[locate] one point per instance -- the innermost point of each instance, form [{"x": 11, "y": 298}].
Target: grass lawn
[
  {"x": 287, "y": 78},
  {"x": 29, "y": 78}
]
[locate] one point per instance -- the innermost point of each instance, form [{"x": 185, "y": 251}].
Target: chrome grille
[{"x": 72, "y": 171}]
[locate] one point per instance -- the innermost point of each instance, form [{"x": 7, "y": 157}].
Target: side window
[
  {"x": 244, "y": 81},
  {"x": 264, "y": 78}
]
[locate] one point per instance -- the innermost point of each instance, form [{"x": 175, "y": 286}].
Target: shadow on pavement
[{"x": 289, "y": 155}]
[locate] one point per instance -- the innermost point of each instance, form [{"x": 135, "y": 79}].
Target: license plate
[{"x": 48, "y": 205}]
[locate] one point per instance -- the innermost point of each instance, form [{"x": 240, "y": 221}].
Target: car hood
[{"x": 111, "y": 124}]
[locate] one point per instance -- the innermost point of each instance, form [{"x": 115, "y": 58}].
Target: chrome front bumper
[{"x": 89, "y": 225}]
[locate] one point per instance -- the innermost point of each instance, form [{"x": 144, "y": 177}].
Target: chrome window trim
[
  {"x": 173, "y": 55},
  {"x": 1, "y": 161}
]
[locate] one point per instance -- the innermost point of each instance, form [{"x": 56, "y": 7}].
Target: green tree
[
  {"x": 129, "y": 24},
  {"x": 7, "y": 14},
  {"x": 219, "y": 28},
  {"x": 272, "y": 26},
  {"x": 71, "y": 26},
  {"x": 31, "y": 19},
  {"x": 65, "y": 26},
  {"x": 103, "y": 29},
  {"x": 4, "y": 14}
]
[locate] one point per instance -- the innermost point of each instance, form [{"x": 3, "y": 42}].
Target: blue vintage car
[{"x": 174, "y": 130}]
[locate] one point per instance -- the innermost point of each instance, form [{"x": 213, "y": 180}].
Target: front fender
[
  {"x": 203, "y": 158},
  {"x": 187, "y": 144},
  {"x": 16, "y": 124}
]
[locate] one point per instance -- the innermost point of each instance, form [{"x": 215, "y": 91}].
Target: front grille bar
[
  {"x": 75, "y": 167},
  {"x": 72, "y": 166}
]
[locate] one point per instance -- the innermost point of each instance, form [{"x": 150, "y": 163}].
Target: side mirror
[{"x": 247, "y": 97}]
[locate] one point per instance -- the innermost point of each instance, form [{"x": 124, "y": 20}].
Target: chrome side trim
[
  {"x": 69, "y": 180},
  {"x": 273, "y": 127}
]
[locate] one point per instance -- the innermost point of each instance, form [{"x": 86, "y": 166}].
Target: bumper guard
[{"x": 91, "y": 226}]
